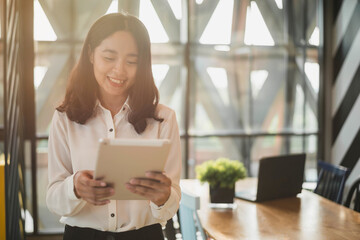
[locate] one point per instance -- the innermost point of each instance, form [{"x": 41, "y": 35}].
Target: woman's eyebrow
[
  {"x": 115, "y": 52},
  {"x": 132, "y": 55},
  {"x": 110, "y": 51}
]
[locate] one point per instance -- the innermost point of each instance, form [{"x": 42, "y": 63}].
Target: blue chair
[
  {"x": 331, "y": 181},
  {"x": 353, "y": 197},
  {"x": 189, "y": 220}
]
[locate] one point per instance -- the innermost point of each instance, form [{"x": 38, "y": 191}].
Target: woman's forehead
[{"x": 119, "y": 42}]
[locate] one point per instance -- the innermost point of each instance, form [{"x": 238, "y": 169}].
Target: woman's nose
[{"x": 120, "y": 66}]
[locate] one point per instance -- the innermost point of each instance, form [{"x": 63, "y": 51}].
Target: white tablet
[{"x": 120, "y": 160}]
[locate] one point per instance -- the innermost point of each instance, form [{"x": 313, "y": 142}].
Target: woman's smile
[{"x": 117, "y": 82}]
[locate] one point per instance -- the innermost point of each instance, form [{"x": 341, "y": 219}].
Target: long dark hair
[{"x": 82, "y": 90}]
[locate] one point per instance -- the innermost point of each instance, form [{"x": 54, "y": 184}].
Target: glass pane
[
  {"x": 203, "y": 149},
  {"x": 296, "y": 22},
  {"x": 311, "y": 158},
  {"x": 215, "y": 99},
  {"x": 312, "y": 32},
  {"x": 298, "y": 117},
  {"x": 269, "y": 88},
  {"x": 170, "y": 78},
  {"x": 204, "y": 18},
  {"x": 47, "y": 222},
  {"x": 297, "y": 144},
  {"x": 256, "y": 29},
  {"x": 312, "y": 72},
  {"x": 52, "y": 66},
  {"x": 264, "y": 147},
  {"x": 308, "y": 145}
]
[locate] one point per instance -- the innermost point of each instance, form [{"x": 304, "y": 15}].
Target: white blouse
[{"x": 72, "y": 147}]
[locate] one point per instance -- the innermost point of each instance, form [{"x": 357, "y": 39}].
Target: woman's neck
[{"x": 113, "y": 104}]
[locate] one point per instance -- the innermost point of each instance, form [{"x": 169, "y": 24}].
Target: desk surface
[{"x": 307, "y": 216}]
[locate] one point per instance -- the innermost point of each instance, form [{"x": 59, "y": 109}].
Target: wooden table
[{"x": 307, "y": 216}]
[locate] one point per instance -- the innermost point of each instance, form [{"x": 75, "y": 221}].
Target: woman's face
[{"x": 115, "y": 63}]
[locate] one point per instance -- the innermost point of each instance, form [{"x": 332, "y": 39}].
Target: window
[{"x": 242, "y": 76}]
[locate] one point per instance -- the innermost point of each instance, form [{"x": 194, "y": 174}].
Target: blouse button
[
  {"x": 110, "y": 130},
  {"x": 123, "y": 108},
  {"x": 112, "y": 215}
]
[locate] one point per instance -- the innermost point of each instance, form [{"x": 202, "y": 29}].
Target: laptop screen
[{"x": 280, "y": 176}]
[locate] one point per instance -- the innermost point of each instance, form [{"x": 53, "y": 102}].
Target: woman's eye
[
  {"x": 109, "y": 59},
  {"x": 129, "y": 62}
]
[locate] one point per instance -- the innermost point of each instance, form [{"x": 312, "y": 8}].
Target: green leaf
[{"x": 222, "y": 172}]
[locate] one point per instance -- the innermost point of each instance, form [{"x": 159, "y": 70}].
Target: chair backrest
[
  {"x": 354, "y": 195},
  {"x": 331, "y": 181},
  {"x": 189, "y": 221}
]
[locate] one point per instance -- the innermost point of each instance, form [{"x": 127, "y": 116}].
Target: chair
[
  {"x": 331, "y": 181},
  {"x": 189, "y": 220},
  {"x": 354, "y": 195}
]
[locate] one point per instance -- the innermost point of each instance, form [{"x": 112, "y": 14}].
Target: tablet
[{"x": 119, "y": 160}]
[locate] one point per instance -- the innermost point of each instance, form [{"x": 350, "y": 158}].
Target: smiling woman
[
  {"x": 103, "y": 49},
  {"x": 115, "y": 66},
  {"x": 111, "y": 94}
]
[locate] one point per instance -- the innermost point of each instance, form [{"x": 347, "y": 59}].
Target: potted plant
[{"x": 221, "y": 175}]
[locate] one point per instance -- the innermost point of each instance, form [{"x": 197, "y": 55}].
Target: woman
[{"x": 111, "y": 94}]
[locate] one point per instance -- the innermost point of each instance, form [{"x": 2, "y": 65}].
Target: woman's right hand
[{"x": 90, "y": 190}]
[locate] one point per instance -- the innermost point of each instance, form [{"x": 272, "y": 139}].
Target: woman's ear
[{"x": 90, "y": 55}]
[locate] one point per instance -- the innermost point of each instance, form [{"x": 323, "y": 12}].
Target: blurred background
[{"x": 242, "y": 76}]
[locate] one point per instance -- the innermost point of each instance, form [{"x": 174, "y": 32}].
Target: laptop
[{"x": 278, "y": 177}]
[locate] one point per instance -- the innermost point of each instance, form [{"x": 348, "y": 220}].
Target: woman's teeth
[{"x": 116, "y": 81}]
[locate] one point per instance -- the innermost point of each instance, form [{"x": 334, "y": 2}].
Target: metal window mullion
[{"x": 187, "y": 90}]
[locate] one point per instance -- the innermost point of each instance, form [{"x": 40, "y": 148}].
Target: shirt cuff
[
  {"x": 70, "y": 188},
  {"x": 162, "y": 212}
]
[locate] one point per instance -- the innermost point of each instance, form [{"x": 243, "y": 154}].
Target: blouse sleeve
[
  {"x": 60, "y": 196},
  {"x": 169, "y": 130}
]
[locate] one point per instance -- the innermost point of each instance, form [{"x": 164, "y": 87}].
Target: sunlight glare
[
  {"x": 222, "y": 48},
  {"x": 315, "y": 37},
  {"x": 256, "y": 31},
  {"x": 279, "y": 4},
  {"x": 257, "y": 79},
  {"x": 176, "y": 8},
  {"x": 218, "y": 77},
  {"x": 149, "y": 17},
  {"x": 39, "y": 73},
  {"x": 220, "y": 80},
  {"x": 113, "y": 8},
  {"x": 159, "y": 73},
  {"x": 43, "y": 30},
  {"x": 312, "y": 71},
  {"x": 218, "y": 29}
]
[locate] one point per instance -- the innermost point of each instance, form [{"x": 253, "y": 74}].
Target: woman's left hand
[{"x": 156, "y": 187}]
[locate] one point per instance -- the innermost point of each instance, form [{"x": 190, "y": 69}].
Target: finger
[
  {"x": 95, "y": 197},
  {"x": 92, "y": 183},
  {"x": 159, "y": 176},
  {"x": 103, "y": 192},
  {"x": 88, "y": 173},
  {"x": 150, "y": 183},
  {"x": 97, "y": 191},
  {"x": 144, "y": 191},
  {"x": 86, "y": 177},
  {"x": 85, "y": 190}
]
